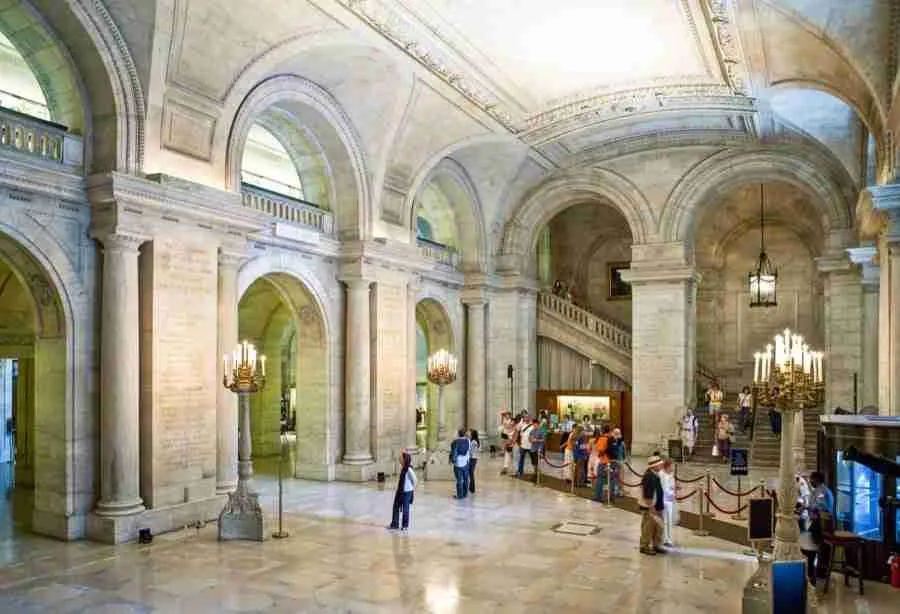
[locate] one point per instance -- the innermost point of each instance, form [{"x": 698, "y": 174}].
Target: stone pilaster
[
  {"x": 358, "y": 401},
  {"x": 886, "y": 206},
  {"x": 843, "y": 329},
  {"x": 409, "y": 418},
  {"x": 120, "y": 378},
  {"x": 476, "y": 417},
  {"x": 865, "y": 257},
  {"x": 663, "y": 312},
  {"x": 226, "y": 401}
]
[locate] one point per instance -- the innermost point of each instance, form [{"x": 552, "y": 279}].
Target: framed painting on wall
[{"x": 619, "y": 289}]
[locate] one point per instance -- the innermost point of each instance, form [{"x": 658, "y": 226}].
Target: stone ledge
[{"x": 123, "y": 529}]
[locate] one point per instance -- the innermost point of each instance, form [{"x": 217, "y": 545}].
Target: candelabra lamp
[
  {"x": 245, "y": 374},
  {"x": 788, "y": 377},
  {"x": 441, "y": 371}
]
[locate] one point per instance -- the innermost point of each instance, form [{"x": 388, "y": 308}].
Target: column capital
[
  {"x": 645, "y": 273},
  {"x": 117, "y": 240},
  {"x": 878, "y": 212},
  {"x": 231, "y": 258},
  {"x": 474, "y": 295},
  {"x": 355, "y": 283},
  {"x": 835, "y": 262}
]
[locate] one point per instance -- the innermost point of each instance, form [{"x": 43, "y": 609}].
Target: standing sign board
[
  {"x": 739, "y": 461},
  {"x": 762, "y": 519}
]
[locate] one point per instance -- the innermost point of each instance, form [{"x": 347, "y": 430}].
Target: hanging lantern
[{"x": 764, "y": 278}]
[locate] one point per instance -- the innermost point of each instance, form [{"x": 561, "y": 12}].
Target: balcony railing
[
  {"x": 608, "y": 331},
  {"x": 32, "y": 136},
  {"x": 438, "y": 252},
  {"x": 287, "y": 209}
]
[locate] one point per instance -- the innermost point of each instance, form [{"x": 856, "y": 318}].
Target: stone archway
[
  {"x": 34, "y": 387},
  {"x": 282, "y": 317},
  {"x": 434, "y": 331}
]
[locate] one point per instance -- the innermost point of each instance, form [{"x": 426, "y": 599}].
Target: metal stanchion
[
  {"x": 281, "y": 533},
  {"x": 537, "y": 471},
  {"x": 572, "y": 481},
  {"x": 708, "y": 490},
  {"x": 700, "y": 532},
  {"x": 609, "y": 483},
  {"x": 740, "y": 515}
]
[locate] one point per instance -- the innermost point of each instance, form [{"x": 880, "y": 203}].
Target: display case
[
  {"x": 611, "y": 407},
  {"x": 859, "y": 490}
]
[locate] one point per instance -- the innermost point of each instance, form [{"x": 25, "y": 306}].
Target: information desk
[
  {"x": 611, "y": 407},
  {"x": 858, "y": 489}
]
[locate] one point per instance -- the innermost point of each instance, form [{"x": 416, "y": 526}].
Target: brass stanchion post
[{"x": 700, "y": 532}]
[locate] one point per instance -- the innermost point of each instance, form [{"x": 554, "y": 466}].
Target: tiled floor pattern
[{"x": 494, "y": 552}]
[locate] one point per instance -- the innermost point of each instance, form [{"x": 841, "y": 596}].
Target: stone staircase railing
[
  {"x": 287, "y": 209},
  {"x": 608, "y": 331},
  {"x": 438, "y": 252},
  {"x": 36, "y": 137}
]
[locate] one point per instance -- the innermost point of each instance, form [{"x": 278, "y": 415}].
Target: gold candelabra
[
  {"x": 246, "y": 369},
  {"x": 788, "y": 376},
  {"x": 441, "y": 371}
]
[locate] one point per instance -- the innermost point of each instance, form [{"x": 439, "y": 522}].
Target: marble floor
[{"x": 512, "y": 547}]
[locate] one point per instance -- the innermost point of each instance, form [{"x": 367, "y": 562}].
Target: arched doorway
[
  {"x": 33, "y": 389},
  {"x": 434, "y": 332},
  {"x": 279, "y": 315}
]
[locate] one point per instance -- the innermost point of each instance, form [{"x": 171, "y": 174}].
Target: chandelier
[
  {"x": 764, "y": 278},
  {"x": 442, "y": 367}
]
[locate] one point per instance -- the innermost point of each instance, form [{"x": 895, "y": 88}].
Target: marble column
[
  {"x": 226, "y": 401},
  {"x": 868, "y": 384},
  {"x": 409, "y": 422},
  {"x": 662, "y": 350},
  {"x": 358, "y": 397},
  {"x": 120, "y": 378},
  {"x": 843, "y": 329},
  {"x": 475, "y": 347}
]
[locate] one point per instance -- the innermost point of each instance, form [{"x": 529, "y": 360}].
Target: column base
[
  {"x": 757, "y": 597},
  {"x": 126, "y": 508},
  {"x": 242, "y": 518},
  {"x": 356, "y": 472},
  {"x": 437, "y": 463},
  {"x": 226, "y": 488},
  {"x": 313, "y": 471},
  {"x": 357, "y": 459}
]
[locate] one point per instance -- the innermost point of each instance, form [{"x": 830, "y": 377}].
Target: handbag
[{"x": 715, "y": 450}]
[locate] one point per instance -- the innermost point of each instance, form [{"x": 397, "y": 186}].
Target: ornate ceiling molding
[{"x": 730, "y": 80}]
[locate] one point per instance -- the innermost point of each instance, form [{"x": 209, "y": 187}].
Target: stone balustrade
[
  {"x": 33, "y": 136},
  {"x": 608, "y": 331},
  {"x": 442, "y": 254},
  {"x": 287, "y": 209}
]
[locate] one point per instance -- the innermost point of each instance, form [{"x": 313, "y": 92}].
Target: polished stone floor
[{"x": 512, "y": 547}]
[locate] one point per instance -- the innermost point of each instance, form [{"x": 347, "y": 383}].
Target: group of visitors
[
  {"x": 526, "y": 434},
  {"x": 564, "y": 289},
  {"x": 657, "y": 505}
]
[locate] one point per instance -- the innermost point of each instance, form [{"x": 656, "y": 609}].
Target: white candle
[
  {"x": 756, "y": 361},
  {"x": 263, "y": 364}
]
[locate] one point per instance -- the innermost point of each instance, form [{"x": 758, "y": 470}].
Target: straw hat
[{"x": 654, "y": 461}]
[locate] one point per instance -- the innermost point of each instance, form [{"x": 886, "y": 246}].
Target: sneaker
[
  {"x": 647, "y": 551},
  {"x": 669, "y": 545},
  {"x": 659, "y": 550},
  {"x": 391, "y": 527}
]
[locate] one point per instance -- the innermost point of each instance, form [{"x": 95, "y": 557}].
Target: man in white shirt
[{"x": 524, "y": 444}]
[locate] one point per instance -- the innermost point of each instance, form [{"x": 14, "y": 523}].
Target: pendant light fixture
[{"x": 765, "y": 277}]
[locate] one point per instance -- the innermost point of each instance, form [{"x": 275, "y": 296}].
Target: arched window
[
  {"x": 19, "y": 89},
  {"x": 435, "y": 217},
  {"x": 266, "y": 164}
]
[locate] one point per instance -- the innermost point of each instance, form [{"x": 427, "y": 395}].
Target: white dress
[{"x": 689, "y": 431}]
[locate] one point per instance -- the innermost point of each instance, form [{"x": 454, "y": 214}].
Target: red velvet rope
[
  {"x": 631, "y": 469},
  {"x": 687, "y": 496},
  {"x": 691, "y": 481},
  {"x": 563, "y": 466},
  {"x": 735, "y": 494},
  {"x": 713, "y": 503},
  {"x": 635, "y": 485}
]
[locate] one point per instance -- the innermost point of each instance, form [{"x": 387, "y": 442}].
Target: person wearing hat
[{"x": 651, "y": 503}]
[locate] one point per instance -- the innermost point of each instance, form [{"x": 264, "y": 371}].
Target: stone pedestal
[
  {"x": 242, "y": 518},
  {"x": 757, "y": 597}
]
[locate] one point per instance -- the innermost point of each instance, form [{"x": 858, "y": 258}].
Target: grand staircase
[{"x": 609, "y": 344}]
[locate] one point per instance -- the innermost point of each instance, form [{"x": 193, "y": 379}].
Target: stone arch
[
  {"x": 293, "y": 312},
  {"x": 453, "y": 180},
  {"x": 722, "y": 172},
  {"x": 111, "y": 90},
  {"x": 433, "y": 321},
  {"x": 309, "y": 106},
  {"x": 561, "y": 192},
  {"x": 63, "y": 444}
]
